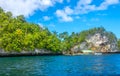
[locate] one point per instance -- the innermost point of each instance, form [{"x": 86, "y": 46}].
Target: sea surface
[{"x": 83, "y": 65}]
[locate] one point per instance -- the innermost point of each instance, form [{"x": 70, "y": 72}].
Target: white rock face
[
  {"x": 102, "y": 43},
  {"x": 98, "y": 43},
  {"x": 97, "y": 39}
]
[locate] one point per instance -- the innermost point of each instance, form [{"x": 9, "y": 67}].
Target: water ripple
[{"x": 85, "y": 65}]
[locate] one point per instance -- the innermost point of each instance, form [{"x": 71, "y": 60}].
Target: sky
[{"x": 68, "y": 15}]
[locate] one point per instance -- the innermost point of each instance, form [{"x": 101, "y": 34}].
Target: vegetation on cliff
[
  {"x": 78, "y": 38},
  {"x": 118, "y": 43},
  {"x": 17, "y": 35}
]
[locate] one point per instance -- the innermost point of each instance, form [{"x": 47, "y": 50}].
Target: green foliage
[
  {"x": 16, "y": 35},
  {"x": 118, "y": 43},
  {"x": 77, "y": 38}
]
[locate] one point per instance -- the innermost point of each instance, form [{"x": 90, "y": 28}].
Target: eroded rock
[{"x": 98, "y": 43}]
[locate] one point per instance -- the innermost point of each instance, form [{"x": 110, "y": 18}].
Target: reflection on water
[{"x": 60, "y": 65}]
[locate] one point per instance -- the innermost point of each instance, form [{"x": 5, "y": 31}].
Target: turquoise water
[{"x": 85, "y": 65}]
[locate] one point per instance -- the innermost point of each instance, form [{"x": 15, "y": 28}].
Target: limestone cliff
[{"x": 98, "y": 42}]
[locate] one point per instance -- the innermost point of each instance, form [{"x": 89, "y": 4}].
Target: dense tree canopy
[{"x": 17, "y": 35}]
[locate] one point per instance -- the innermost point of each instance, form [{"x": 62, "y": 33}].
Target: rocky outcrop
[
  {"x": 36, "y": 52},
  {"x": 102, "y": 43},
  {"x": 97, "y": 42}
]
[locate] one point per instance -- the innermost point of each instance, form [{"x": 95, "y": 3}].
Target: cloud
[
  {"x": 46, "y": 18},
  {"x": 85, "y": 6},
  {"x": 27, "y": 7},
  {"x": 84, "y": 2},
  {"x": 41, "y": 25},
  {"x": 68, "y": 10},
  {"x": 64, "y": 15},
  {"x": 107, "y": 3}
]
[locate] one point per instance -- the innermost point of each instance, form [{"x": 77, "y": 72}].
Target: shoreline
[
  {"x": 111, "y": 53},
  {"x": 28, "y": 54},
  {"x": 43, "y": 54}
]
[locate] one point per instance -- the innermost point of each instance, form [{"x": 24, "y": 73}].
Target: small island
[
  {"x": 59, "y": 37},
  {"x": 20, "y": 38}
]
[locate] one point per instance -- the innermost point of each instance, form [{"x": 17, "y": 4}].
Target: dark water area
[{"x": 83, "y": 65}]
